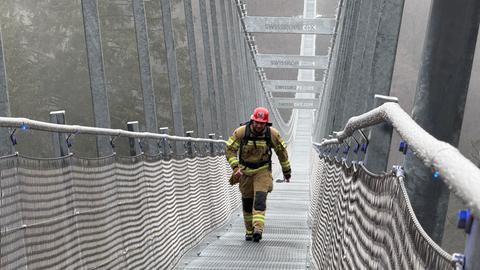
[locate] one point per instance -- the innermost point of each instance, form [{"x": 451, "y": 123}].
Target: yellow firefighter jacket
[{"x": 256, "y": 151}]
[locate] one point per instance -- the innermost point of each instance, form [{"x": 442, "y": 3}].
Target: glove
[
  {"x": 287, "y": 177},
  {"x": 235, "y": 178},
  {"x": 237, "y": 172}
]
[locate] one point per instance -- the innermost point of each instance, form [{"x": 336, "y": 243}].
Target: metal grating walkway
[{"x": 286, "y": 240}]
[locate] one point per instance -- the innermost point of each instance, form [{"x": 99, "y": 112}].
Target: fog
[{"x": 47, "y": 70}]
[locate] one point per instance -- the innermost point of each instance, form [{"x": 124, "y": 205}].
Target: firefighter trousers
[{"x": 254, "y": 189}]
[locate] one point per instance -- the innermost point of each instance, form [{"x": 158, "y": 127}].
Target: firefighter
[{"x": 249, "y": 153}]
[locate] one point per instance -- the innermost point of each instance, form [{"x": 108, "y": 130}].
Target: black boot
[
  {"x": 257, "y": 236},
  {"x": 248, "y": 237}
]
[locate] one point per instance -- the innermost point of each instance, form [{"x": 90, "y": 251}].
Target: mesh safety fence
[
  {"x": 364, "y": 221},
  {"x": 109, "y": 213}
]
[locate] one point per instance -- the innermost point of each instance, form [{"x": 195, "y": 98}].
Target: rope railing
[
  {"x": 113, "y": 212},
  {"x": 457, "y": 171},
  {"x": 192, "y": 147},
  {"x": 26, "y": 123},
  {"x": 362, "y": 220},
  {"x": 110, "y": 212}
]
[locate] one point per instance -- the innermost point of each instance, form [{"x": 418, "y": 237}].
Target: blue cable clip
[
  {"x": 463, "y": 216},
  {"x": 435, "y": 175},
  {"x": 465, "y": 220},
  {"x": 403, "y": 147},
  {"x": 364, "y": 147},
  {"x": 24, "y": 126}
]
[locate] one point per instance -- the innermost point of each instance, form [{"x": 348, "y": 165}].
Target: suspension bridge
[{"x": 167, "y": 203}]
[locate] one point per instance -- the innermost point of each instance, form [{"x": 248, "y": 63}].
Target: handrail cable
[
  {"x": 14, "y": 122},
  {"x": 457, "y": 171}
]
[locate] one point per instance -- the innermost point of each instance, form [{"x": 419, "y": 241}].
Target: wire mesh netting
[
  {"x": 109, "y": 213},
  {"x": 364, "y": 221}
]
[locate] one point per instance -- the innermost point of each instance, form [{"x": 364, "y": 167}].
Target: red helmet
[{"x": 260, "y": 115}]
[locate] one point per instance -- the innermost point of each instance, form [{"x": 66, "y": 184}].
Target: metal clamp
[
  {"x": 398, "y": 171},
  {"x": 458, "y": 261},
  {"x": 112, "y": 141},
  {"x": 357, "y": 144},
  {"x": 364, "y": 146},
  {"x": 12, "y": 137},
  {"x": 141, "y": 144},
  {"x": 364, "y": 136},
  {"x": 71, "y": 135}
]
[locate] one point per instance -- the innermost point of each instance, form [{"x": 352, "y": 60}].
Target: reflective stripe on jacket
[{"x": 256, "y": 151}]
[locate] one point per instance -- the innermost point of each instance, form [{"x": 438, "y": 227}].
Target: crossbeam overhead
[
  {"x": 292, "y": 86},
  {"x": 291, "y": 25},
  {"x": 291, "y": 61}
]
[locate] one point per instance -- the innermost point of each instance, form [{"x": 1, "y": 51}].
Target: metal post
[
  {"x": 232, "y": 100},
  {"x": 385, "y": 48},
  {"x": 177, "y": 115},
  {"x": 212, "y": 145},
  {"x": 253, "y": 74},
  {"x": 380, "y": 137},
  {"x": 209, "y": 126},
  {"x": 236, "y": 68},
  {"x": 243, "y": 68},
  {"x": 6, "y": 147},
  {"x": 248, "y": 64},
  {"x": 60, "y": 147},
  {"x": 325, "y": 113},
  {"x": 208, "y": 65},
  {"x": 360, "y": 66},
  {"x": 134, "y": 144},
  {"x": 194, "y": 68},
  {"x": 166, "y": 151},
  {"x": 222, "y": 113},
  {"x": 239, "y": 60},
  {"x": 373, "y": 56},
  {"x": 440, "y": 101},
  {"x": 257, "y": 89},
  {"x": 248, "y": 73},
  {"x": 234, "y": 54},
  {"x": 329, "y": 109},
  {"x": 340, "y": 88},
  {"x": 190, "y": 147},
  {"x": 97, "y": 73},
  {"x": 149, "y": 106}
]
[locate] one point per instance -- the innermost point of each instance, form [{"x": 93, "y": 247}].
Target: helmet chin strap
[{"x": 255, "y": 132}]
